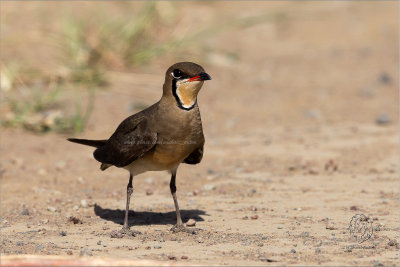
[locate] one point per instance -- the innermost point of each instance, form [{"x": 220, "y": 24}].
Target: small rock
[
  {"x": 378, "y": 263},
  {"x": 162, "y": 240},
  {"x": 393, "y": 243},
  {"x": 75, "y": 220},
  {"x": 85, "y": 252},
  {"x": 39, "y": 247},
  {"x": 116, "y": 234},
  {"x": 245, "y": 218},
  {"x": 292, "y": 250},
  {"x": 69, "y": 252},
  {"x": 383, "y": 119},
  {"x": 317, "y": 250},
  {"x": 305, "y": 234},
  {"x": 267, "y": 259},
  {"x": 354, "y": 208},
  {"x": 75, "y": 207},
  {"x": 385, "y": 78},
  {"x": 172, "y": 257},
  {"x": 254, "y": 217},
  {"x": 149, "y": 192},
  {"x": 330, "y": 227},
  {"x": 63, "y": 233},
  {"x": 52, "y": 209},
  {"x": 191, "y": 223},
  {"x": 99, "y": 242},
  {"x": 25, "y": 211},
  {"x": 81, "y": 180},
  {"x": 196, "y": 192},
  {"x": 260, "y": 244},
  {"x": 184, "y": 257},
  {"x": 84, "y": 203},
  {"x": 147, "y": 248},
  {"x": 157, "y": 246},
  {"x": 19, "y": 243},
  {"x": 208, "y": 187}
]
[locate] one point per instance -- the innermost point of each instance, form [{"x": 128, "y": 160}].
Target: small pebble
[
  {"x": 393, "y": 243},
  {"x": 378, "y": 263},
  {"x": 385, "y": 78},
  {"x": 75, "y": 207},
  {"x": 63, "y": 233},
  {"x": 157, "y": 246},
  {"x": 191, "y": 223},
  {"x": 25, "y": 211},
  {"x": 69, "y": 252},
  {"x": 260, "y": 244},
  {"x": 75, "y": 220},
  {"x": 208, "y": 187},
  {"x": 354, "y": 208},
  {"x": 99, "y": 242},
  {"x": 172, "y": 257},
  {"x": 39, "y": 247},
  {"x": 317, "y": 250},
  {"x": 292, "y": 250},
  {"x": 184, "y": 257},
  {"x": 116, "y": 234},
  {"x": 149, "y": 192},
  {"x": 84, "y": 203},
  {"x": 52, "y": 209},
  {"x": 383, "y": 119},
  {"x": 254, "y": 217}
]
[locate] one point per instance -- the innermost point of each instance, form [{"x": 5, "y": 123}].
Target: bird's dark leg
[
  {"x": 178, "y": 227},
  {"x": 129, "y": 189}
]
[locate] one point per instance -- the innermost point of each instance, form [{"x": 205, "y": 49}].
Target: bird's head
[{"x": 184, "y": 80}]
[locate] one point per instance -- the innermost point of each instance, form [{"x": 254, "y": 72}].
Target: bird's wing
[
  {"x": 130, "y": 141},
  {"x": 196, "y": 156}
]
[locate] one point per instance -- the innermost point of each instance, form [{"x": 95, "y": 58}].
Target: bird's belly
[
  {"x": 170, "y": 155},
  {"x": 163, "y": 157}
]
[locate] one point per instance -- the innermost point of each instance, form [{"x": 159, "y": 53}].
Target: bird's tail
[{"x": 94, "y": 143}]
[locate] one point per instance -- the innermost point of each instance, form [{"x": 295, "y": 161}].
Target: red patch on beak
[{"x": 196, "y": 78}]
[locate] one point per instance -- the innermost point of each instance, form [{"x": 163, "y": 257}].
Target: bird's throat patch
[{"x": 186, "y": 93}]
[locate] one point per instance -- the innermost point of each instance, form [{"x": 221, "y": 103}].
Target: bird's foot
[
  {"x": 125, "y": 231},
  {"x": 181, "y": 228}
]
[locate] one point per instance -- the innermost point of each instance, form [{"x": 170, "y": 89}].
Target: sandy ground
[{"x": 297, "y": 143}]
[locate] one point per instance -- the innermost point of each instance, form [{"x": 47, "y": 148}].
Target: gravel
[{"x": 85, "y": 252}]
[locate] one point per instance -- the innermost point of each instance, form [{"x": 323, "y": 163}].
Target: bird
[{"x": 160, "y": 137}]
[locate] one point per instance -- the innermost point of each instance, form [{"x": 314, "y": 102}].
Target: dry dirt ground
[{"x": 301, "y": 135}]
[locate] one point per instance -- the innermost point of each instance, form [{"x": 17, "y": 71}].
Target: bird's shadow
[{"x": 146, "y": 217}]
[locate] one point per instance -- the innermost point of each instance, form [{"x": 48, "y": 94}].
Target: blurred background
[
  {"x": 300, "y": 121},
  {"x": 273, "y": 63}
]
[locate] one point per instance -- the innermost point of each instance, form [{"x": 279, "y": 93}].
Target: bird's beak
[{"x": 202, "y": 77}]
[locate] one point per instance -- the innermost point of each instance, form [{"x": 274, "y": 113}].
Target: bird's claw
[
  {"x": 129, "y": 232},
  {"x": 181, "y": 228}
]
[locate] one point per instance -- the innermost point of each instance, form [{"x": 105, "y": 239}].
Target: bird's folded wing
[
  {"x": 130, "y": 141},
  {"x": 196, "y": 156}
]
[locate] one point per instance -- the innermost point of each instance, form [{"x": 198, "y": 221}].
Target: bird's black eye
[{"x": 177, "y": 74}]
